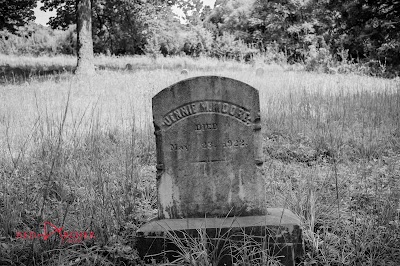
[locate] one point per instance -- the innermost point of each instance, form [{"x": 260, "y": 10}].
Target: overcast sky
[{"x": 43, "y": 17}]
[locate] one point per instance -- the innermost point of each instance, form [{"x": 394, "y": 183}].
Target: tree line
[{"x": 315, "y": 32}]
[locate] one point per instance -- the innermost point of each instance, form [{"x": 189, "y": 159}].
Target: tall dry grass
[{"x": 82, "y": 155}]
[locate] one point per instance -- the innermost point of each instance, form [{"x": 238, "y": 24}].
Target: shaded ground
[{"x": 21, "y": 74}]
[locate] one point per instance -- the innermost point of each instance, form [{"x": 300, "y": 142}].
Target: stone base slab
[{"x": 279, "y": 232}]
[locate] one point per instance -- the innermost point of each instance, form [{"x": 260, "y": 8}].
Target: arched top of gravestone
[{"x": 213, "y": 91}]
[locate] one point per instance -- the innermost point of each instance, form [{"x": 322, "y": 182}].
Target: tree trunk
[{"x": 85, "y": 64}]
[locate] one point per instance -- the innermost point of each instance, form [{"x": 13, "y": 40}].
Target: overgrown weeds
[
  {"x": 331, "y": 142},
  {"x": 99, "y": 182},
  {"x": 226, "y": 247}
]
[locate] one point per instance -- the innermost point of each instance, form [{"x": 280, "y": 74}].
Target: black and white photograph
[{"x": 199, "y": 132}]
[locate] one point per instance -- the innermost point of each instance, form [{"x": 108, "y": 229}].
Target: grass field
[{"x": 82, "y": 155}]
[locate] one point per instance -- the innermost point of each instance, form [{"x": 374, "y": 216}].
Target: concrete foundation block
[{"x": 277, "y": 235}]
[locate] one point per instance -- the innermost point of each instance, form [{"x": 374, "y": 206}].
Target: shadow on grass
[{"x": 21, "y": 74}]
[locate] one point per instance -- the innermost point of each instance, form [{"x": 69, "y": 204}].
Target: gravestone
[
  {"x": 209, "y": 164},
  {"x": 208, "y": 138},
  {"x": 129, "y": 67},
  {"x": 259, "y": 72}
]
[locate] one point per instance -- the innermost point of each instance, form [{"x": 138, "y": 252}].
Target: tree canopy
[
  {"x": 16, "y": 13},
  {"x": 119, "y": 26},
  {"x": 369, "y": 29},
  {"x": 306, "y": 31}
]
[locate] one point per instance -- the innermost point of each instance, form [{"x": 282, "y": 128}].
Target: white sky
[
  {"x": 179, "y": 12},
  {"x": 209, "y": 3},
  {"x": 43, "y": 17}
]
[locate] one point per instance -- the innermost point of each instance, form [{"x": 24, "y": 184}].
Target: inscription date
[
  {"x": 234, "y": 143},
  {"x": 209, "y": 145},
  {"x": 177, "y": 147},
  {"x": 238, "y": 143}
]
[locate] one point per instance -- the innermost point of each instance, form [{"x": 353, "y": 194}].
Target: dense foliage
[
  {"x": 15, "y": 13},
  {"x": 369, "y": 29},
  {"x": 325, "y": 35},
  {"x": 119, "y": 26},
  {"x": 37, "y": 40}
]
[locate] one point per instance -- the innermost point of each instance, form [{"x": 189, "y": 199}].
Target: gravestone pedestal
[
  {"x": 278, "y": 233},
  {"x": 210, "y": 175}
]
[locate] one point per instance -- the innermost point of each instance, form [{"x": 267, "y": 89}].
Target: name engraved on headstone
[
  {"x": 208, "y": 139},
  {"x": 217, "y": 107}
]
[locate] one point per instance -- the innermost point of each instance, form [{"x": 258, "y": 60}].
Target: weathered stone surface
[
  {"x": 209, "y": 149},
  {"x": 279, "y": 232}
]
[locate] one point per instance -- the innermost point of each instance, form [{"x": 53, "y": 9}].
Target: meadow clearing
[{"x": 82, "y": 155}]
